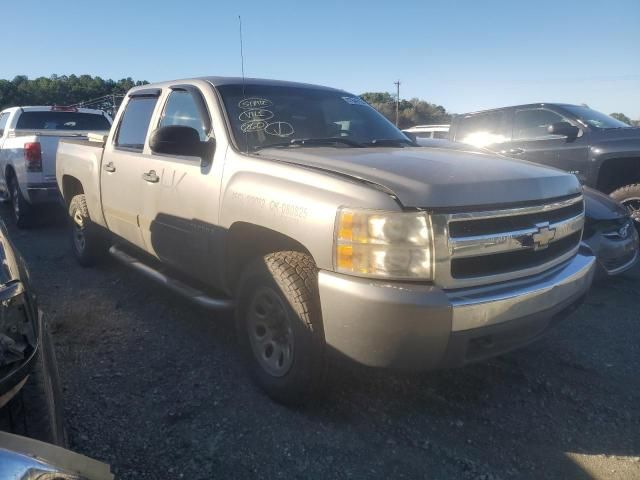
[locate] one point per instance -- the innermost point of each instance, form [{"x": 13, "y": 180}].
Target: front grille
[
  {"x": 486, "y": 226},
  {"x": 477, "y": 248},
  {"x": 510, "y": 261}
]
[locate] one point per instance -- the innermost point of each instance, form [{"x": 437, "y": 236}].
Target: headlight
[{"x": 394, "y": 245}]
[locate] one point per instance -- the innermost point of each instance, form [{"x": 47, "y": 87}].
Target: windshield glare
[
  {"x": 594, "y": 118},
  {"x": 267, "y": 115}
]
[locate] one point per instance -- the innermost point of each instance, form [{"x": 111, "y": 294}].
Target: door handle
[
  {"x": 515, "y": 151},
  {"x": 109, "y": 167},
  {"x": 151, "y": 177}
]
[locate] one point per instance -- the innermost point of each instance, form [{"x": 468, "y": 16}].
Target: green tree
[
  {"x": 622, "y": 117},
  {"x": 64, "y": 90},
  {"x": 410, "y": 112}
]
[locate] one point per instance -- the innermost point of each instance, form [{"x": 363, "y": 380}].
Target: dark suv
[{"x": 603, "y": 152}]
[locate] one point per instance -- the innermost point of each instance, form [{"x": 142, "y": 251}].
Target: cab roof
[
  {"x": 526, "y": 105},
  {"x": 223, "y": 81}
]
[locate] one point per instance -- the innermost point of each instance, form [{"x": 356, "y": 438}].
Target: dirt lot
[{"x": 154, "y": 386}]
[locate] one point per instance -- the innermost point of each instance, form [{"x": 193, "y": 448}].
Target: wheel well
[
  {"x": 246, "y": 242},
  {"x": 71, "y": 187},
  {"x": 9, "y": 172},
  {"x": 618, "y": 172}
]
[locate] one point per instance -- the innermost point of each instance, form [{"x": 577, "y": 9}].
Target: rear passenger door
[
  {"x": 531, "y": 141},
  {"x": 123, "y": 165},
  {"x": 179, "y": 214}
]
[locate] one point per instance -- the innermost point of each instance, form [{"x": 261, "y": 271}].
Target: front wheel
[
  {"x": 88, "y": 243},
  {"x": 629, "y": 197},
  {"x": 279, "y": 325}
]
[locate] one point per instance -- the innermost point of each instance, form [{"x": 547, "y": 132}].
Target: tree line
[
  {"x": 410, "y": 112},
  {"x": 64, "y": 90},
  {"x": 73, "y": 89}
]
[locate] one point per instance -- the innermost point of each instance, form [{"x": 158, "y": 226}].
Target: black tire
[
  {"x": 88, "y": 243},
  {"x": 36, "y": 411},
  {"x": 289, "y": 279},
  {"x": 629, "y": 196},
  {"x": 20, "y": 208}
]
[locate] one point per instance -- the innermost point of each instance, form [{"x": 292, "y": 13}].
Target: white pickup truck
[{"x": 28, "y": 142}]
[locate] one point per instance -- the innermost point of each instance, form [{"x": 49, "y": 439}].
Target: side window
[
  {"x": 533, "y": 123},
  {"x": 181, "y": 109},
  {"x": 440, "y": 134},
  {"x": 134, "y": 124},
  {"x": 422, "y": 134},
  {"x": 4, "y": 118},
  {"x": 484, "y": 129}
]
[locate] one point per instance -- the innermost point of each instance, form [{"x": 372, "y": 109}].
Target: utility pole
[{"x": 397, "y": 84}]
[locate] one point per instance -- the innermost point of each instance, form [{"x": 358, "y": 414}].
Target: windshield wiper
[
  {"x": 388, "y": 142},
  {"x": 312, "y": 142}
]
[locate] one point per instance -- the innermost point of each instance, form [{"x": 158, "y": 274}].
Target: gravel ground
[{"x": 154, "y": 386}]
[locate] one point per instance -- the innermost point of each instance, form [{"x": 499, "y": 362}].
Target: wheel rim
[
  {"x": 270, "y": 332},
  {"x": 633, "y": 207},
  {"x": 79, "y": 239}
]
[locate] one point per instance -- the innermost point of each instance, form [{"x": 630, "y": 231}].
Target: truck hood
[{"x": 437, "y": 177}]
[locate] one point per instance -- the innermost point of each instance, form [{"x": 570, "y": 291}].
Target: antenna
[{"x": 241, "y": 53}]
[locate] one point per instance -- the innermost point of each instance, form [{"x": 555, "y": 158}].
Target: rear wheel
[
  {"x": 20, "y": 207},
  {"x": 629, "y": 196},
  {"x": 88, "y": 243},
  {"x": 279, "y": 325}
]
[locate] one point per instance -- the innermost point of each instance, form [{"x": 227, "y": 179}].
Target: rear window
[{"x": 62, "y": 121}]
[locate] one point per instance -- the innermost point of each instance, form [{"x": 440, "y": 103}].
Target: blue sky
[{"x": 464, "y": 55}]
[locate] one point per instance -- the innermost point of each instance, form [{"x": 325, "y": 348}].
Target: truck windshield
[
  {"x": 269, "y": 115},
  {"x": 594, "y": 118},
  {"x": 62, "y": 121}
]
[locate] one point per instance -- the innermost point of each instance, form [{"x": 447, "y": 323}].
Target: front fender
[{"x": 295, "y": 201}]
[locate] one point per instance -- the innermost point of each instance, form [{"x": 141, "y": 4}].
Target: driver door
[
  {"x": 178, "y": 219},
  {"x": 531, "y": 141}
]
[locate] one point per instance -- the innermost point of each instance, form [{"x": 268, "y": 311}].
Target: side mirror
[
  {"x": 564, "y": 129},
  {"x": 181, "y": 140}
]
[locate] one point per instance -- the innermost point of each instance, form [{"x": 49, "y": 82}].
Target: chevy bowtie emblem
[{"x": 542, "y": 238}]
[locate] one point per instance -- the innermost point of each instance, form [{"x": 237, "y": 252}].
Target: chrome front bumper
[{"x": 386, "y": 324}]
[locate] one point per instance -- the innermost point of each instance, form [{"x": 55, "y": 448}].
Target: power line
[{"x": 397, "y": 84}]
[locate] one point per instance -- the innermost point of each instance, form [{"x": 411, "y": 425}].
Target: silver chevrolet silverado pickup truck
[{"x": 326, "y": 228}]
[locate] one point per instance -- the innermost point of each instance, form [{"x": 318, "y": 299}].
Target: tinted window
[
  {"x": 4, "y": 118},
  {"x": 267, "y": 114},
  {"x": 181, "y": 109},
  {"x": 440, "y": 134},
  {"x": 62, "y": 121},
  {"x": 423, "y": 134},
  {"x": 135, "y": 122},
  {"x": 483, "y": 129},
  {"x": 534, "y": 123}
]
